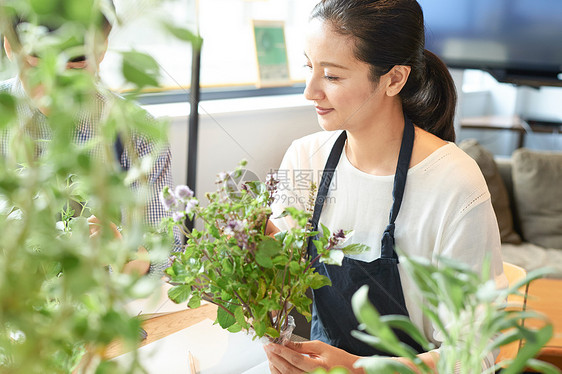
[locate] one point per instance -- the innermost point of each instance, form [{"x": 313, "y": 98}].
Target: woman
[{"x": 371, "y": 77}]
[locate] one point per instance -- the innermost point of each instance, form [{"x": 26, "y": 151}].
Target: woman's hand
[
  {"x": 306, "y": 356},
  {"x": 95, "y": 226}
]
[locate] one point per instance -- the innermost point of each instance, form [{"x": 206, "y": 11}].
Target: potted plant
[
  {"x": 254, "y": 278},
  {"x": 482, "y": 320}
]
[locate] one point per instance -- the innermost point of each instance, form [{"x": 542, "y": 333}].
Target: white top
[{"x": 446, "y": 209}]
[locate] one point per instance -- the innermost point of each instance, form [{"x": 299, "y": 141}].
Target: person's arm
[
  {"x": 271, "y": 229},
  {"x": 160, "y": 176}
]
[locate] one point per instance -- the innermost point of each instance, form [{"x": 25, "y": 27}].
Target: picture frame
[{"x": 271, "y": 53}]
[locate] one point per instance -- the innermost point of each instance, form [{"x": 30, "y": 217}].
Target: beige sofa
[{"x": 526, "y": 193}]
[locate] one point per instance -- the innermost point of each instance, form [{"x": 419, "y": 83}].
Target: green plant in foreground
[
  {"x": 480, "y": 321},
  {"x": 255, "y": 279},
  {"x": 59, "y": 304}
]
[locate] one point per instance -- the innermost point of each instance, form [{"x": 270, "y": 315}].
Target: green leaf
[
  {"x": 7, "y": 109},
  {"x": 213, "y": 231},
  {"x": 325, "y": 232},
  {"x": 294, "y": 267},
  {"x": 355, "y": 249},
  {"x": 336, "y": 370},
  {"x": 282, "y": 215},
  {"x": 234, "y": 328},
  {"x": 140, "y": 69},
  {"x": 333, "y": 257},
  {"x": 179, "y": 294},
  {"x": 369, "y": 317},
  {"x": 259, "y": 327},
  {"x": 184, "y": 34},
  {"x": 227, "y": 267},
  {"x": 529, "y": 350},
  {"x": 268, "y": 248},
  {"x": 79, "y": 11},
  {"x": 224, "y": 318},
  {"x": 319, "y": 246},
  {"x": 43, "y": 7},
  {"x": 194, "y": 302},
  {"x": 239, "y": 316},
  {"x": 542, "y": 367},
  {"x": 405, "y": 324},
  {"x": 264, "y": 260},
  {"x": 317, "y": 281},
  {"x": 270, "y": 331},
  {"x": 280, "y": 236}
]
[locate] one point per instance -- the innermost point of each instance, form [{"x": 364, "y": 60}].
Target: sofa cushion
[
  {"x": 537, "y": 187},
  {"x": 533, "y": 257},
  {"x": 498, "y": 191}
]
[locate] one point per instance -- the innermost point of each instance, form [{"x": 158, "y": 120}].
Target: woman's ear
[
  {"x": 398, "y": 76},
  {"x": 8, "y": 48}
]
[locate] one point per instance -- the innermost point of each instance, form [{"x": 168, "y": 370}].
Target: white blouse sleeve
[{"x": 471, "y": 237}]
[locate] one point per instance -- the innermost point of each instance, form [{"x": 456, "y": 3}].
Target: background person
[{"x": 33, "y": 113}]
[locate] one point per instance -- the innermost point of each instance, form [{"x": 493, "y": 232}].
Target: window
[
  {"x": 477, "y": 80},
  {"x": 228, "y": 54}
]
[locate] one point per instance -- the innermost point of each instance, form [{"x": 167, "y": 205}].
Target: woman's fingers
[
  {"x": 278, "y": 364},
  {"x": 273, "y": 369},
  {"x": 288, "y": 361},
  {"x": 313, "y": 347}
]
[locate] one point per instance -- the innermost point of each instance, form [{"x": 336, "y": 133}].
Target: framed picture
[{"x": 271, "y": 53}]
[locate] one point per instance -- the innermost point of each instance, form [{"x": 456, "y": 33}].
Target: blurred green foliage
[
  {"x": 59, "y": 303},
  {"x": 478, "y": 320}
]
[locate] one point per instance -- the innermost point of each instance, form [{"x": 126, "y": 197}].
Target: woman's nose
[{"x": 313, "y": 90}]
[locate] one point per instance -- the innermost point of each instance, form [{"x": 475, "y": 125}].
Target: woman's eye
[{"x": 331, "y": 78}]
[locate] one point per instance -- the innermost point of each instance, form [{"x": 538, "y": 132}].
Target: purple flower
[
  {"x": 234, "y": 227},
  {"x": 167, "y": 198},
  {"x": 337, "y": 238},
  {"x": 178, "y": 216},
  {"x": 190, "y": 205},
  {"x": 340, "y": 234},
  {"x": 271, "y": 180},
  {"x": 183, "y": 192}
]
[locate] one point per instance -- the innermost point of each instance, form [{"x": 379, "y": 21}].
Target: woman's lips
[{"x": 323, "y": 111}]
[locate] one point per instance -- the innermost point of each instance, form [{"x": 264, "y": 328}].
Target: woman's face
[{"x": 338, "y": 83}]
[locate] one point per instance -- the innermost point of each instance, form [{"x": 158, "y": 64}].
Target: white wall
[{"x": 258, "y": 130}]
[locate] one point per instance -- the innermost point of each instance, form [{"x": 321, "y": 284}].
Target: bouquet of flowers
[{"x": 254, "y": 278}]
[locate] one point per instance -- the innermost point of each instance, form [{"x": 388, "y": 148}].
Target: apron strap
[
  {"x": 387, "y": 242},
  {"x": 327, "y": 176}
]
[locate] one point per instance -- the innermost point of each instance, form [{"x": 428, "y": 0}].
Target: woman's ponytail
[{"x": 429, "y": 98}]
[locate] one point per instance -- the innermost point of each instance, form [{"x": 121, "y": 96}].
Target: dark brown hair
[
  {"x": 53, "y": 23},
  {"x": 389, "y": 33}
]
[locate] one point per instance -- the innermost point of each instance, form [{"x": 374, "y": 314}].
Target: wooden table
[
  {"x": 164, "y": 324},
  {"x": 545, "y": 296},
  {"x": 511, "y": 123}
]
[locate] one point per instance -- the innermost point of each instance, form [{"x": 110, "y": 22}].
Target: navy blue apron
[{"x": 332, "y": 314}]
